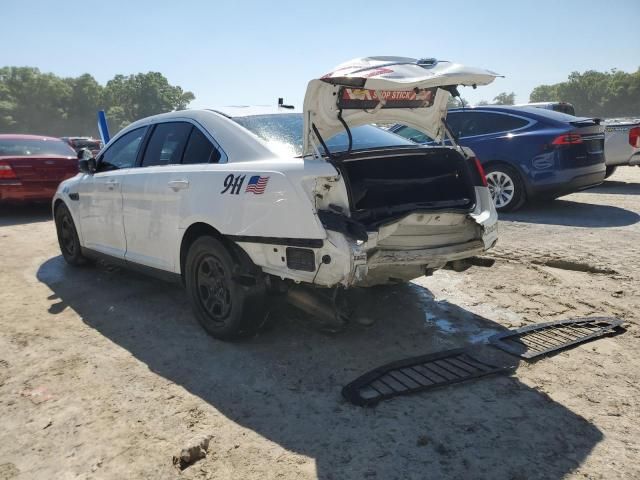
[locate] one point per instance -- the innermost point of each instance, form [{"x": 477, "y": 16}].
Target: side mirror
[{"x": 86, "y": 162}]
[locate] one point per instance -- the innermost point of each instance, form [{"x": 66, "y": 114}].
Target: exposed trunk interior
[{"x": 384, "y": 185}]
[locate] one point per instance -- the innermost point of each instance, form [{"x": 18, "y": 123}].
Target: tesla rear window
[{"x": 34, "y": 148}]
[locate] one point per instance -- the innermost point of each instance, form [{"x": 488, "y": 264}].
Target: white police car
[{"x": 238, "y": 206}]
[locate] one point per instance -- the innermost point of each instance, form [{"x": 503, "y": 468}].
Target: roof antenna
[{"x": 282, "y": 105}]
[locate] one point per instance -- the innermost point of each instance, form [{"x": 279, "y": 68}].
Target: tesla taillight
[
  {"x": 6, "y": 171},
  {"x": 478, "y": 166},
  {"x": 634, "y": 137},
  {"x": 567, "y": 139}
]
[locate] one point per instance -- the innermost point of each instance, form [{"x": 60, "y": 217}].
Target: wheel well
[
  {"x": 56, "y": 204},
  {"x": 200, "y": 229}
]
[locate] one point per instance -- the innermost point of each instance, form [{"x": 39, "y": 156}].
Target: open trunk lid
[{"x": 384, "y": 90}]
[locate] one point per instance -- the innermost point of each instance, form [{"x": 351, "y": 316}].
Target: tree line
[
  {"x": 43, "y": 103},
  {"x": 595, "y": 94}
]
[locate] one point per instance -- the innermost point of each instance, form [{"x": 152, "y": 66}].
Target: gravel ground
[{"x": 106, "y": 374}]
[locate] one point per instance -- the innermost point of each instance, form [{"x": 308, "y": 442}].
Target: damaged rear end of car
[{"x": 405, "y": 210}]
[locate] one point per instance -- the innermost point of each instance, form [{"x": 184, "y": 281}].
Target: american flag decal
[{"x": 257, "y": 184}]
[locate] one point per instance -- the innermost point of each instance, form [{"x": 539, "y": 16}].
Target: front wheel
[
  {"x": 225, "y": 307},
  {"x": 506, "y": 188},
  {"x": 68, "y": 237}
]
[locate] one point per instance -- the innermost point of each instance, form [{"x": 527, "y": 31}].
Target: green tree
[
  {"x": 544, "y": 93},
  {"x": 84, "y": 102},
  {"x": 456, "y": 102},
  {"x": 43, "y": 103},
  {"x": 505, "y": 98},
  {"x": 137, "y": 96},
  {"x": 482, "y": 103},
  {"x": 33, "y": 102},
  {"x": 592, "y": 93}
]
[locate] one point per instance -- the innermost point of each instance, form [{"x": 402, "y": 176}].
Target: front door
[{"x": 100, "y": 196}]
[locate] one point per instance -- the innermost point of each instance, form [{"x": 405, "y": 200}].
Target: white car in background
[
  {"x": 621, "y": 143},
  {"x": 237, "y": 207}
]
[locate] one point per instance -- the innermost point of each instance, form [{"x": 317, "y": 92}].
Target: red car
[{"x": 32, "y": 166}]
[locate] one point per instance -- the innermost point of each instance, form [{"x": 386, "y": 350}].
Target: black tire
[
  {"x": 68, "y": 237},
  {"x": 610, "y": 171},
  {"x": 226, "y": 307},
  {"x": 513, "y": 186}
]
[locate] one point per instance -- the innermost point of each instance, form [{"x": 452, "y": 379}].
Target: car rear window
[
  {"x": 283, "y": 133},
  {"x": 85, "y": 143},
  {"x": 550, "y": 114},
  {"x": 472, "y": 123},
  {"x": 35, "y": 147}
]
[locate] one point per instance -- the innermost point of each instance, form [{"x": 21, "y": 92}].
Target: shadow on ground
[
  {"x": 23, "y": 214},
  {"x": 285, "y": 384},
  {"x": 617, "y": 188},
  {"x": 573, "y": 214}
]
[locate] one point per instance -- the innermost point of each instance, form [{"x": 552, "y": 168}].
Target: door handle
[
  {"x": 176, "y": 185},
  {"x": 111, "y": 184}
]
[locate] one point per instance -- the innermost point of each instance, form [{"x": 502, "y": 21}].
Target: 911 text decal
[{"x": 233, "y": 184}]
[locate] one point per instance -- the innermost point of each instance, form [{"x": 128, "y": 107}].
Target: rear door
[
  {"x": 491, "y": 135},
  {"x": 153, "y": 192},
  {"x": 100, "y": 195},
  {"x": 150, "y": 204}
]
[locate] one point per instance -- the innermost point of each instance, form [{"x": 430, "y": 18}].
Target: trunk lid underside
[{"x": 384, "y": 90}]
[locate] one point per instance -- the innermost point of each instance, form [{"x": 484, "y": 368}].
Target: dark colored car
[
  {"x": 78, "y": 143},
  {"x": 527, "y": 152},
  {"x": 32, "y": 166}
]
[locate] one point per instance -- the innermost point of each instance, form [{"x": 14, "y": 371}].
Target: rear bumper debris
[{"x": 544, "y": 338}]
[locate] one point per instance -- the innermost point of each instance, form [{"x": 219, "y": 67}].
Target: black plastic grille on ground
[
  {"x": 536, "y": 340},
  {"x": 417, "y": 374}
]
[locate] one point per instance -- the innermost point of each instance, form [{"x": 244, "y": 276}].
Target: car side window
[
  {"x": 483, "y": 123},
  {"x": 123, "y": 152},
  {"x": 455, "y": 120},
  {"x": 166, "y": 144},
  {"x": 413, "y": 135},
  {"x": 200, "y": 149}
]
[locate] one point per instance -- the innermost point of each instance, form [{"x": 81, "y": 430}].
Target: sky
[{"x": 251, "y": 53}]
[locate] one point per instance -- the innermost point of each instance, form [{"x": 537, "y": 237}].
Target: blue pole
[{"x": 103, "y": 127}]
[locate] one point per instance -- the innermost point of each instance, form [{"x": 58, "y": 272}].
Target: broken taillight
[
  {"x": 568, "y": 139},
  {"x": 634, "y": 137},
  {"x": 6, "y": 172}
]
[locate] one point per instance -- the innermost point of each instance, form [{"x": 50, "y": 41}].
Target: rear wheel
[
  {"x": 225, "y": 307},
  {"x": 610, "y": 171},
  {"x": 68, "y": 237},
  {"x": 506, "y": 187}
]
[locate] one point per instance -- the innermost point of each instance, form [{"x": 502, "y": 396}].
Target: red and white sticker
[{"x": 359, "y": 98}]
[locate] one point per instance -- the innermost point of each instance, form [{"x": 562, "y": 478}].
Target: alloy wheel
[{"x": 501, "y": 187}]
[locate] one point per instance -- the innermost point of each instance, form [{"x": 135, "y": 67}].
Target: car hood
[{"x": 384, "y": 90}]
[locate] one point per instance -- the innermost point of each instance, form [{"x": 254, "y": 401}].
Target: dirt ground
[{"x": 106, "y": 374}]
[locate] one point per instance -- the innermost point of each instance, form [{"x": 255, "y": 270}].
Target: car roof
[
  {"x": 18, "y": 136},
  {"x": 534, "y": 112},
  {"x": 249, "y": 110},
  {"x": 238, "y": 143}
]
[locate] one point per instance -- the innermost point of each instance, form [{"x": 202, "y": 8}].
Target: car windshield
[
  {"x": 34, "y": 147},
  {"x": 283, "y": 134}
]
